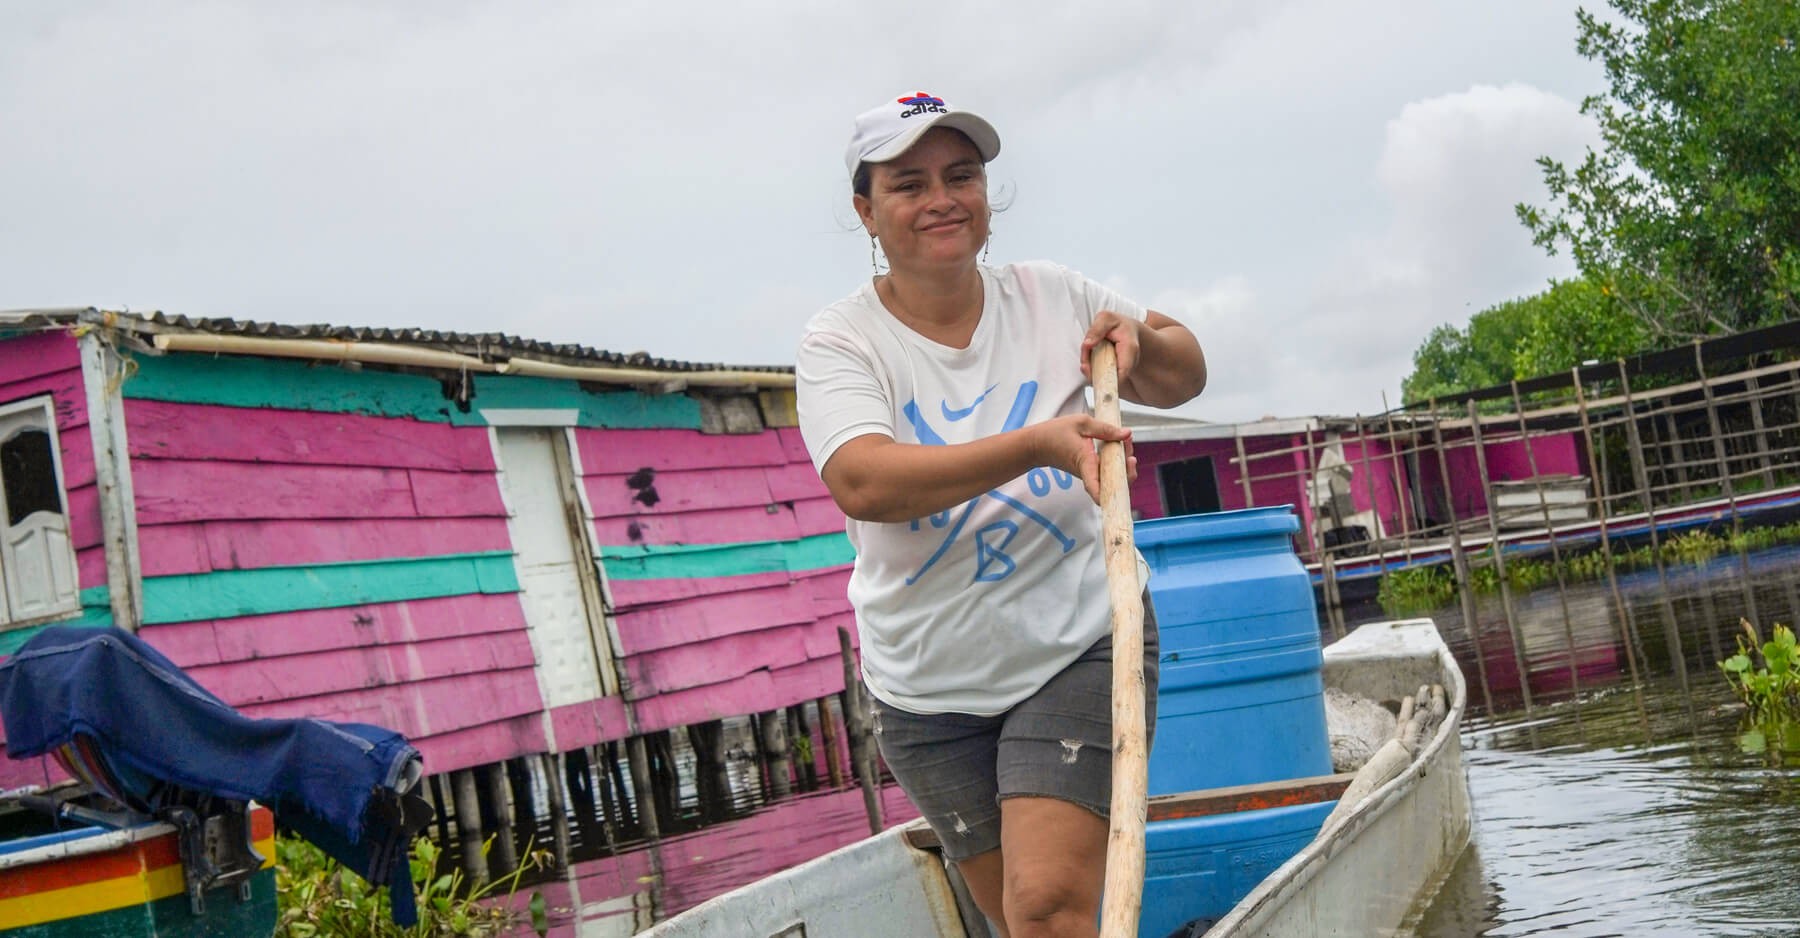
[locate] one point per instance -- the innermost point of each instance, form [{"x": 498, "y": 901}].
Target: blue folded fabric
[{"x": 336, "y": 784}]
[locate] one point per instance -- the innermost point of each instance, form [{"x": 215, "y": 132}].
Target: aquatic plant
[
  {"x": 1766, "y": 677},
  {"x": 1416, "y": 589},
  {"x": 318, "y": 898}
]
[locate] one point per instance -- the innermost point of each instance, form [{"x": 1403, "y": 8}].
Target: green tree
[
  {"x": 1452, "y": 359},
  {"x": 1572, "y": 322},
  {"x": 1689, "y": 213}
]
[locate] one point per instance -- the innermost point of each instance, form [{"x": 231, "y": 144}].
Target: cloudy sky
[{"x": 1312, "y": 185}]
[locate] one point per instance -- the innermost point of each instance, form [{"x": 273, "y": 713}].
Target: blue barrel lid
[{"x": 1216, "y": 525}]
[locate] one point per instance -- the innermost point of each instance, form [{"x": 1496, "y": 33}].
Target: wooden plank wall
[
  {"x": 30, "y": 366},
  {"x": 727, "y": 565},
  {"x": 327, "y": 542},
  {"x": 336, "y": 565}
]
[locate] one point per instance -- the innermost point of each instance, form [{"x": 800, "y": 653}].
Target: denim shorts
[{"x": 1057, "y": 743}]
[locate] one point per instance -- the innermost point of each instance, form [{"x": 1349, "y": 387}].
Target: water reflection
[{"x": 1612, "y": 805}]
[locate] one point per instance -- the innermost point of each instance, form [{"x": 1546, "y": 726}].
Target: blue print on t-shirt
[{"x": 992, "y": 563}]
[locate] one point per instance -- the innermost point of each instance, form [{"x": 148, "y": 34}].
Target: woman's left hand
[{"x": 1122, "y": 332}]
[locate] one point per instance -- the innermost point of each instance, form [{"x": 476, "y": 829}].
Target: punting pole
[{"x": 1130, "y": 765}]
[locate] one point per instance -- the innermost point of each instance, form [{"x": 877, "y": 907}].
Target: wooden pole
[
  {"x": 1724, "y": 463},
  {"x": 1520, "y": 659},
  {"x": 1402, "y": 487},
  {"x": 644, "y": 793},
  {"x": 1635, "y": 445},
  {"x": 834, "y": 768},
  {"x": 1130, "y": 783},
  {"x": 1562, "y": 580},
  {"x": 555, "y": 778},
  {"x": 506, "y": 851},
  {"x": 1762, "y": 435},
  {"x": 1465, "y": 581},
  {"x": 1603, "y": 496},
  {"x": 862, "y": 747},
  {"x": 468, "y": 825},
  {"x": 1237, "y": 436},
  {"x": 1378, "y": 536}
]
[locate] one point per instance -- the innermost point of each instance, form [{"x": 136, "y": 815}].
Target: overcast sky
[{"x": 1312, "y": 185}]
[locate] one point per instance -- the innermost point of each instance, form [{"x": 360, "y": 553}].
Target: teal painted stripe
[
  {"x": 225, "y": 594},
  {"x": 245, "y": 381},
  {"x": 705, "y": 561},
  {"x": 96, "y": 612}
]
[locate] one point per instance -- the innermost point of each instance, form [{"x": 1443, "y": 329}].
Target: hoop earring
[{"x": 874, "y": 264}]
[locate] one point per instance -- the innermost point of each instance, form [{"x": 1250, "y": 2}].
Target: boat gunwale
[
  {"x": 89, "y": 844},
  {"x": 1300, "y": 869}
]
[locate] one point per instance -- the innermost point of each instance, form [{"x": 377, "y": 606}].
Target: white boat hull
[{"x": 1371, "y": 873}]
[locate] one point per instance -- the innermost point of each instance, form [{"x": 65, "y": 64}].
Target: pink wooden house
[
  {"x": 500, "y": 548},
  {"x": 1369, "y": 479}
]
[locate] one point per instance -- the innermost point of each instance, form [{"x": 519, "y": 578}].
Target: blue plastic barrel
[
  {"x": 1241, "y": 700},
  {"x": 1198, "y": 868}
]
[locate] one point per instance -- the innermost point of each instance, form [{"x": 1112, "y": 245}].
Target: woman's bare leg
[
  {"x": 985, "y": 874},
  {"x": 1055, "y": 867}
]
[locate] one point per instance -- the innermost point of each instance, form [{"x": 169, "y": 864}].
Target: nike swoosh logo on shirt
[{"x": 955, "y": 415}]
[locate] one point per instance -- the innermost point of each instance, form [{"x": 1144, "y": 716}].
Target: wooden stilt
[
  {"x": 665, "y": 780},
  {"x": 555, "y": 778},
  {"x": 441, "y": 804},
  {"x": 644, "y": 797},
  {"x": 772, "y": 739},
  {"x": 862, "y": 743},
  {"x": 711, "y": 783},
  {"x": 584, "y": 800},
  {"x": 468, "y": 826},
  {"x": 613, "y": 804},
  {"x": 807, "y": 757},
  {"x": 524, "y": 801},
  {"x": 505, "y": 856},
  {"x": 834, "y": 768}
]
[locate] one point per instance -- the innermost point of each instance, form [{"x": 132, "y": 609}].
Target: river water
[{"x": 1613, "y": 804}]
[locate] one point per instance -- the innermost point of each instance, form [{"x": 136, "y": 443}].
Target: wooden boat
[
  {"x": 138, "y": 880},
  {"x": 1372, "y": 868}
]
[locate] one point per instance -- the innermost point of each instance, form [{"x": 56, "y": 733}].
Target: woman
[{"x": 943, "y": 405}]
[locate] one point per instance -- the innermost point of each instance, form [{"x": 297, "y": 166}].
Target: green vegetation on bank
[
  {"x": 318, "y": 898},
  {"x": 1421, "y": 589}
]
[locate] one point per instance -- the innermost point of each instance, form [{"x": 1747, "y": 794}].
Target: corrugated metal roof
[{"x": 487, "y": 345}]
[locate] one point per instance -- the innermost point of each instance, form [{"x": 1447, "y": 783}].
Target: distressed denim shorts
[{"x": 1057, "y": 743}]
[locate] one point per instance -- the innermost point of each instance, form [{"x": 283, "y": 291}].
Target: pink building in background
[
  {"x": 1347, "y": 479},
  {"x": 503, "y": 549}
]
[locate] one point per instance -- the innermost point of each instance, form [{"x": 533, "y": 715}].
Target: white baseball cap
[{"x": 886, "y": 132}]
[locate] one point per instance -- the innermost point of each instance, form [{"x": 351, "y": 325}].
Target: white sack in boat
[{"x": 1356, "y": 727}]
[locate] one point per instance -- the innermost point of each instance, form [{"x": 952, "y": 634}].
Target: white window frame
[{"x": 44, "y": 405}]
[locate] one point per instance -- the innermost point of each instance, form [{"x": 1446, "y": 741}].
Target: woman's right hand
[{"x": 1067, "y": 443}]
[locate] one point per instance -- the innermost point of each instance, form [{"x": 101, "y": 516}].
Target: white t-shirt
[{"x": 973, "y": 609}]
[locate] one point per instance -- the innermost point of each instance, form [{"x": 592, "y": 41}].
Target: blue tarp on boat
[{"x": 339, "y": 785}]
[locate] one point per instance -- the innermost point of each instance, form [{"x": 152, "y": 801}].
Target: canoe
[
  {"x": 1371, "y": 869},
  {"x": 87, "y": 881}
]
